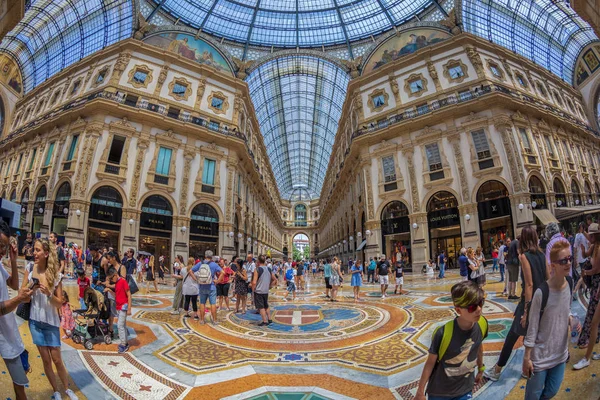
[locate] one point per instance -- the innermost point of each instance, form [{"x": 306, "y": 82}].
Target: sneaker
[
  {"x": 174, "y": 312},
  {"x": 71, "y": 394},
  {"x": 263, "y": 323},
  {"x": 584, "y": 362},
  {"x": 186, "y": 316},
  {"x": 596, "y": 356},
  {"x": 57, "y": 396},
  {"x": 492, "y": 375},
  {"x": 215, "y": 323},
  {"x": 270, "y": 321},
  {"x": 123, "y": 349},
  {"x": 196, "y": 318}
]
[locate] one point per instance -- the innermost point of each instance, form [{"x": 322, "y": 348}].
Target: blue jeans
[
  {"x": 466, "y": 396},
  {"x": 82, "y": 304},
  {"x": 502, "y": 272},
  {"x": 545, "y": 384},
  {"x": 442, "y": 270},
  {"x": 495, "y": 264}
]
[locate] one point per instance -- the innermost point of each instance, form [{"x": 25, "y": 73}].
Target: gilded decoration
[
  {"x": 408, "y": 155},
  {"x": 142, "y": 146},
  {"x": 358, "y": 105},
  {"x": 453, "y": 64},
  {"x": 475, "y": 59},
  {"x": 10, "y": 73},
  {"x": 119, "y": 67},
  {"x": 220, "y": 99},
  {"x": 494, "y": 66},
  {"x": 460, "y": 164},
  {"x": 189, "y": 155},
  {"x": 395, "y": 89},
  {"x": 434, "y": 75},
  {"x": 140, "y": 68},
  {"x": 200, "y": 94},
  {"x": 183, "y": 82},
  {"x": 378, "y": 100},
  {"x": 414, "y": 78}
]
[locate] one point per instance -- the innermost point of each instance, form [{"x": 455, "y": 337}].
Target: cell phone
[{"x": 36, "y": 282}]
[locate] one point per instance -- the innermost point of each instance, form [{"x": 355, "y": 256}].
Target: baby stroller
[{"x": 89, "y": 325}]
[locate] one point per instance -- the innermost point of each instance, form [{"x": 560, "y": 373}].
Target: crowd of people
[{"x": 551, "y": 271}]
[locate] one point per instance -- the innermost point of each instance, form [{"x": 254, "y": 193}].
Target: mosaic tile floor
[{"x": 315, "y": 349}]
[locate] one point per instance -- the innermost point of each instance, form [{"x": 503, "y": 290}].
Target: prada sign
[
  {"x": 156, "y": 221},
  {"x": 198, "y": 227},
  {"x": 105, "y": 213},
  {"x": 493, "y": 208},
  {"x": 443, "y": 218}
]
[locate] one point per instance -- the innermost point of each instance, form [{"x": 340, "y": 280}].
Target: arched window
[
  {"x": 60, "y": 210},
  {"x": 107, "y": 196},
  {"x": 538, "y": 193},
  {"x": 441, "y": 201},
  {"x": 13, "y": 196},
  {"x": 559, "y": 193},
  {"x": 38, "y": 209},
  {"x": 491, "y": 190},
  {"x": 588, "y": 193},
  {"x": 157, "y": 205},
  {"x": 205, "y": 212},
  {"x": 394, "y": 218}
]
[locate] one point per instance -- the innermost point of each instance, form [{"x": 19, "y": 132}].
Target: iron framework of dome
[
  {"x": 294, "y": 23},
  {"x": 547, "y": 32},
  {"x": 298, "y": 101}
]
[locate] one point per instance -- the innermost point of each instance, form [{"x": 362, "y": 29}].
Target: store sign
[
  {"x": 156, "y": 221},
  {"x": 395, "y": 225},
  {"x": 443, "y": 218},
  {"x": 198, "y": 227},
  {"x": 540, "y": 201},
  {"x": 105, "y": 213},
  {"x": 493, "y": 208}
]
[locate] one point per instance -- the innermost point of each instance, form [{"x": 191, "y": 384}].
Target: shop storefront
[
  {"x": 156, "y": 225},
  {"x": 38, "y": 211},
  {"x": 104, "y": 222},
  {"x": 395, "y": 232},
  {"x": 588, "y": 197},
  {"x": 495, "y": 216},
  {"x": 60, "y": 211},
  {"x": 204, "y": 231},
  {"x": 443, "y": 221},
  {"x": 559, "y": 193}
]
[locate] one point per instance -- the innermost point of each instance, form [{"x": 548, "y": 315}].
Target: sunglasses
[
  {"x": 565, "y": 261},
  {"x": 472, "y": 307}
]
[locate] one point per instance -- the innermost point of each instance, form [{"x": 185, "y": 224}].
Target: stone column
[
  {"x": 471, "y": 236},
  {"x": 419, "y": 238},
  {"x": 522, "y": 217},
  {"x": 76, "y": 224},
  {"x": 180, "y": 238},
  {"x": 130, "y": 231},
  {"x": 47, "y": 222},
  {"x": 373, "y": 247},
  {"x": 226, "y": 242}
]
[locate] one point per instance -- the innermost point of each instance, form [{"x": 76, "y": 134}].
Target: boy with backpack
[
  {"x": 206, "y": 276},
  {"x": 547, "y": 339},
  {"x": 456, "y": 348},
  {"x": 290, "y": 277}
]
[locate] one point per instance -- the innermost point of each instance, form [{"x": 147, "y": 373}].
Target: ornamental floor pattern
[{"x": 315, "y": 349}]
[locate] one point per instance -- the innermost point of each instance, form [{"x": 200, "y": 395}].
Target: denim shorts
[
  {"x": 212, "y": 297},
  {"x": 43, "y": 334}
]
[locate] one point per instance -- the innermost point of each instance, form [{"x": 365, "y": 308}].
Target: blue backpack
[{"x": 289, "y": 274}]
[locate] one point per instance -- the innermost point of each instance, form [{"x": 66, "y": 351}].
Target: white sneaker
[
  {"x": 71, "y": 394},
  {"x": 584, "y": 362},
  {"x": 491, "y": 374},
  {"x": 596, "y": 356},
  {"x": 57, "y": 396}
]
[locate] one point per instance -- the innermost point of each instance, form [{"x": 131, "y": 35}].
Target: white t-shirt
[
  {"x": 580, "y": 240},
  {"x": 250, "y": 268},
  {"x": 11, "y": 345}
]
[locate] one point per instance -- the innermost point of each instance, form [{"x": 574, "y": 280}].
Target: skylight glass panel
[
  {"x": 547, "y": 32},
  {"x": 294, "y": 121}
]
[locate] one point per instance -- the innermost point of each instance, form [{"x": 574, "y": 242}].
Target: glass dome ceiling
[
  {"x": 298, "y": 101},
  {"x": 294, "y": 23}
]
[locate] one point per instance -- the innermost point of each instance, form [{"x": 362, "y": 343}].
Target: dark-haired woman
[
  {"x": 533, "y": 274},
  {"x": 241, "y": 285}
]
